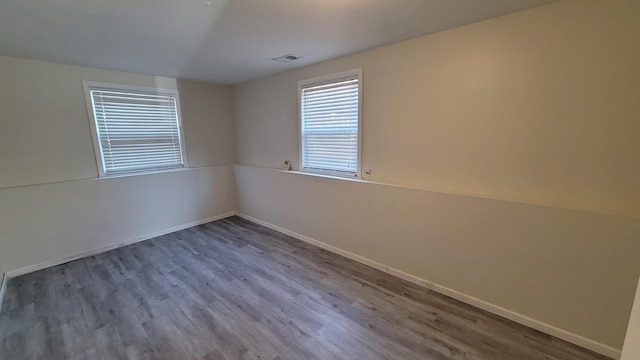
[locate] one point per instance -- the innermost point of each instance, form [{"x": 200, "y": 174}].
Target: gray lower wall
[
  {"x": 43, "y": 223},
  {"x": 572, "y": 270}
]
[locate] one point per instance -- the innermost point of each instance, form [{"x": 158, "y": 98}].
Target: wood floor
[{"x": 232, "y": 289}]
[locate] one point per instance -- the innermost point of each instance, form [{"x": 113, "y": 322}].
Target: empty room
[{"x": 336, "y": 179}]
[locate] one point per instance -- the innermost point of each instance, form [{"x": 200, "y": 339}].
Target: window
[
  {"x": 330, "y": 123},
  {"x": 134, "y": 129}
]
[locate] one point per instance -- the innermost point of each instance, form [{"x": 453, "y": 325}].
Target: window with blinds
[
  {"x": 330, "y": 124},
  {"x": 136, "y": 131}
]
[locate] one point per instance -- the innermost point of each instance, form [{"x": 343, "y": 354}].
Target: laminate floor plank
[{"x": 235, "y": 290}]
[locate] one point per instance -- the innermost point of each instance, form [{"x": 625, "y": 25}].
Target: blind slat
[
  {"x": 137, "y": 131},
  {"x": 330, "y": 116}
]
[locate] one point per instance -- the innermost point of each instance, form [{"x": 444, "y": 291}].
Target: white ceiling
[{"x": 228, "y": 41}]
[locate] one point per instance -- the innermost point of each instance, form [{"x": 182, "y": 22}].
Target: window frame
[
  {"x": 328, "y": 79},
  {"x": 97, "y": 146}
]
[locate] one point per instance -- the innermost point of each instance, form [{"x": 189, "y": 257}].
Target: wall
[
  {"x": 537, "y": 107},
  {"x": 573, "y": 270},
  {"x": 2, "y": 279},
  {"x": 51, "y": 203},
  {"x": 631, "y": 349},
  {"x": 42, "y": 223}
]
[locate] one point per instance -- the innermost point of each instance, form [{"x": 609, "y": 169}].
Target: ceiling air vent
[{"x": 287, "y": 58}]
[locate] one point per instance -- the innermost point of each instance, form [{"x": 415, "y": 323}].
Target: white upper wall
[
  {"x": 208, "y": 123},
  {"x": 45, "y": 139},
  {"x": 539, "y": 106},
  {"x": 45, "y": 134}
]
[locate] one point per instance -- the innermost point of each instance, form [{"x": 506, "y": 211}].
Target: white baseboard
[
  {"x": 3, "y": 289},
  {"x": 495, "y": 309},
  {"x": 66, "y": 259}
]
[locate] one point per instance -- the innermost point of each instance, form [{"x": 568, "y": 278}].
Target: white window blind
[
  {"x": 136, "y": 131},
  {"x": 329, "y": 125}
]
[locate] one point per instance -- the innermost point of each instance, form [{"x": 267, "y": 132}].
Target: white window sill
[
  {"x": 324, "y": 175},
  {"x": 329, "y": 173},
  {"x": 142, "y": 173}
]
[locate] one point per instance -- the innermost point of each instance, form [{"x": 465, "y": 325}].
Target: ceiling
[{"x": 226, "y": 41}]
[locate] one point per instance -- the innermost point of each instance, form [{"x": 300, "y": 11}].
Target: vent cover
[{"x": 287, "y": 58}]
